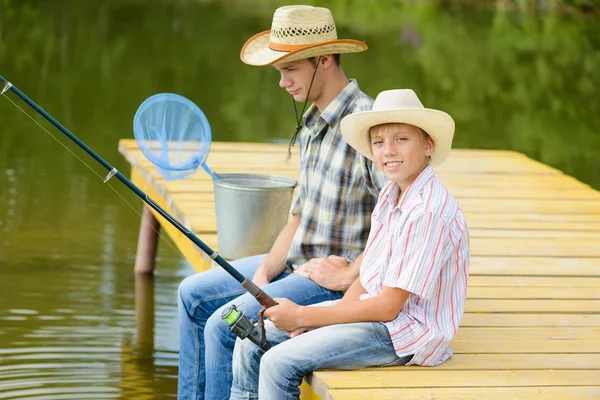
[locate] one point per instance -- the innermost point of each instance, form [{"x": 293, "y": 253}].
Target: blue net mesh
[{"x": 174, "y": 134}]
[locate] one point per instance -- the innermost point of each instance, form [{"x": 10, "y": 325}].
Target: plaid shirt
[{"x": 338, "y": 186}]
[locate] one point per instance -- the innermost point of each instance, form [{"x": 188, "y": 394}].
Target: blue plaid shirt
[{"x": 338, "y": 186}]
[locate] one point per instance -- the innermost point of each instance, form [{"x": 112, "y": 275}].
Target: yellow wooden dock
[{"x": 531, "y": 329}]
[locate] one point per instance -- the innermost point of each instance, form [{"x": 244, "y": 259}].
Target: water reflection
[
  {"x": 74, "y": 322},
  {"x": 57, "y": 346}
]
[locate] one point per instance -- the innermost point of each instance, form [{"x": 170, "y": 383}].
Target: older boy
[
  {"x": 337, "y": 193},
  {"x": 409, "y": 299}
]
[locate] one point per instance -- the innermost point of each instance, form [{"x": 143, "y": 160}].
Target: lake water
[{"x": 68, "y": 322}]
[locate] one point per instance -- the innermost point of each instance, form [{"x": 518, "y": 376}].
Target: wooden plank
[
  {"x": 470, "y": 192},
  {"x": 540, "y": 234},
  {"x": 556, "y": 292},
  {"x": 512, "y": 181},
  {"x": 516, "y": 166},
  {"x": 551, "y": 319},
  {"x": 532, "y": 221},
  {"x": 543, "y": 247},
  {"x": 526, "y": 346},
  {"x": 434, "y": 378},
  {"x": 469, "y": 393},
  {"x": 518, "y": 218},
  {"x": 533, "y": 306},
  {"x": 526, "y": 333},
  {"x": 467, "y": 362},
  {"x": 532, "y": 281},
  {"x": 532, "y": 206},
  {"x": 539, "y": 226},
  {"x": 542, "y": 266}
]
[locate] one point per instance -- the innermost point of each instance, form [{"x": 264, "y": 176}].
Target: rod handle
[{"x": 263, "y": 299}]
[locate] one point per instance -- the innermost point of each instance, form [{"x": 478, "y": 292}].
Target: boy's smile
[
  {"x": 402, "y": 151},
  {"x": 392, "y": 165}
]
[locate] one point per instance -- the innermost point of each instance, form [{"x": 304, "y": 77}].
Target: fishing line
[
  {"x": 240, "y": 325},
  {"x": 99, "y": 176}
]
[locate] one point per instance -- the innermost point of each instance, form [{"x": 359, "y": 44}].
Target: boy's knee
[
  {"x": 274, "y": 363},
  {"x": 215, "y": 326},
  {"x": 245, "y": 349},
  {"x": 184, "y": 291}
]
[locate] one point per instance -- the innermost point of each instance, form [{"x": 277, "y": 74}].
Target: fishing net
[{"x": 174, "y": 134}]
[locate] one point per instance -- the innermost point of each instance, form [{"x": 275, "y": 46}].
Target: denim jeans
[
  {"x": 278, "y": 373},
  {"x": 206, "y": 342}
]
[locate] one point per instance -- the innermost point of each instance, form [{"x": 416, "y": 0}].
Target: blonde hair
[{"x": 424, "y": 135}]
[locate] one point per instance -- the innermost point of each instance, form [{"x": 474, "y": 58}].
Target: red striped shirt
[{"x": 422, "y": 246}]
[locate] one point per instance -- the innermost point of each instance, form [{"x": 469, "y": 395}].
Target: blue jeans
[
  {"x": 278, "y": 373},
  {"x": 206, "y": 342}
]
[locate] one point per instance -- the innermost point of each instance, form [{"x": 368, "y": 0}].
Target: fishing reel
[{"x": 243, "y": 327}]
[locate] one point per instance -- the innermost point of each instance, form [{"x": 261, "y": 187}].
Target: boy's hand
[
  {"x": 284, "y": 315},
  {"x": 330, "y": 273},
  {"x": 298, "y": 331}
]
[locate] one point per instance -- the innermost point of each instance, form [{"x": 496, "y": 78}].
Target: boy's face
[
  {"x": 296, "y": 77},
  {"x": 401, "y": 151}
]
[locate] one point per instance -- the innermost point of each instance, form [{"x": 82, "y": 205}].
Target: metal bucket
[{"x": 251, "y": 211}]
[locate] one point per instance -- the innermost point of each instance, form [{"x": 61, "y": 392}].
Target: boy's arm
[
  {"x": 274, "y": 264},
  {"x": 386, "y": 306},
  {"x": 354, "y": 292}
]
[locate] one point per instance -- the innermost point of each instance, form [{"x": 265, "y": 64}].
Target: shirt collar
[
  {"x": 335, "y": 110},
  {"x": 412, "y": 192}
]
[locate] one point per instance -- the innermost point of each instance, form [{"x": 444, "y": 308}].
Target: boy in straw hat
[
  {"x": 317, "y": 255},
  {"x": 409, "y": 299}
]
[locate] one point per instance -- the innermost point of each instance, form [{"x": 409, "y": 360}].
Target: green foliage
[{"x": 511, "y": 79}]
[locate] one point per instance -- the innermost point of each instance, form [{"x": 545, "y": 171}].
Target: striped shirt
[
  {"x": 338, "y": 186},
  {"x": 420, "y": 245}
]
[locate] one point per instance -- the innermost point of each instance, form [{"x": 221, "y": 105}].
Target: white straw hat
[
  {"x": 400, "y": 106},
  {"x": 297, "y": 32}
]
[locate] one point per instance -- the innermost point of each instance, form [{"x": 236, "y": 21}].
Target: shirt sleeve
[
  {"x": 297, "y": 204},
  {"x": 418, "y": 255}
]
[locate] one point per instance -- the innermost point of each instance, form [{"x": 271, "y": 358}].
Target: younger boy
[{"x": 409, "y": 299}]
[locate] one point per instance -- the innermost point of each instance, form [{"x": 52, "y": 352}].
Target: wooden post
[
  {"x": 147, "y": 243},
  {"x": 144, "y": 311}
]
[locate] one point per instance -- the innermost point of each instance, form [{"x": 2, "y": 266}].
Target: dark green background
[{"x": 511, "y": 78}]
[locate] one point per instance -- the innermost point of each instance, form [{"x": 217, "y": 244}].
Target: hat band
[{"x": 286, "y": 47}]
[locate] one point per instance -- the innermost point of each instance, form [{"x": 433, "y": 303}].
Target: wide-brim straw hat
[
  {"x": 400, "y": 106},
  {"x": 297, "y": 32}
]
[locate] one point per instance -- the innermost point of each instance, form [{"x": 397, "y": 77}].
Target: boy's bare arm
[
  {"x": 354, "y": 292},
  {"x": 274, "y": 264},
  {"x": 386, "y": 306}
]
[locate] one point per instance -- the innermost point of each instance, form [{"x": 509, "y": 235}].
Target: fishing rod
[{"x": 241, "y": 325}]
